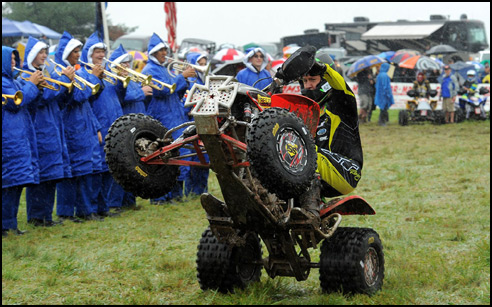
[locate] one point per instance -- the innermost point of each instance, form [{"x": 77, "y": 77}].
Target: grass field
[{"x": 429, "y": 185}]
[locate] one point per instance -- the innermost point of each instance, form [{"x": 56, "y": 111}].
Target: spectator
[
  {"x": 365, "y": 81},
  {"x": 384, "y": 94},
  {"x": 166, "y": 106},
  {"x": 254, "y": 71},
  {"x": 449, "y": 89},
  {"x": 484, "y": 73},
  {"x": 19, "y": 152}
]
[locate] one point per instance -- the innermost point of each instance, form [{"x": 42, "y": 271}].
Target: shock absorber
[{"x": 247, "y": 112}]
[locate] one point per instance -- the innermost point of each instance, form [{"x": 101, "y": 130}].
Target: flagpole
[{"x": 105, "y": 26}]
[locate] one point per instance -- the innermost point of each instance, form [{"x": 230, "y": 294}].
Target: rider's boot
[{"x": 310, "y": 204}]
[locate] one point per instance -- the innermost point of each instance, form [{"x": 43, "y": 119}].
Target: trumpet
[
  {"x": 68, "y": 85},
  {"x": 180, "y": 66},
  {"x": 82, "y": 83},
  {"x": 134, "y": 75},
  {"x": 109, "y": 76},
  {"x": 17, "y": 97},
  {"x": 159, "y": 85}
]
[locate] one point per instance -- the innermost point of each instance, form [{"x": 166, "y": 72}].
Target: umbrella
[
  {"x": 478, "y": 65},
  {"x": 387, "y": 55},
  {"x": 440, "y": 49},
  {"x": 402, "y": 55},
  {"x": 15, "y": 28},
  {"x": 363, "y": 63},
  {"x": 462, "y": 68},
  {"x": 277, "y": 64},
  {"x": 290, "y": 49},
  {"x": 229, "y": 68},
  {"x": 228, "y": 55},
  {"x": 420, "y": 62},
  {"x": 139, "y": 59}
]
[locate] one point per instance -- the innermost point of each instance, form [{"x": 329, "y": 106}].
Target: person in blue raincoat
[
  {"x": 82, "y": 136},
  {"x": 255, "y": 61},
  {"x": 164, "y": 106},
  {"x": 132, "y": 101},
  {"x": 107, "y": 108},
  {"x": 51, "y": 146},
  {"x": 196, "y": 178},
  {"x": 384, "y": 94},
  {"x": 19, "y": 152}
]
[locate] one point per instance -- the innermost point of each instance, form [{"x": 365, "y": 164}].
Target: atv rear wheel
[
  {"x": 223, "y": 267},
  {"x": 281, "y": 152},
  {"x": 146, "y": 181},
  {"x": 352, "y": 260}
]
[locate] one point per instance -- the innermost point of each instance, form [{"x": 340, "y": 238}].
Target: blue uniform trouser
[
  {"x": 74, "y": 194},
  {"x": 40, "y": 200},
  {"x": 118, "y": 197},
  {"x": 101, "y": 185},
  {"x": 197, "y": 181},
  {"x": 10, "y": 206}
]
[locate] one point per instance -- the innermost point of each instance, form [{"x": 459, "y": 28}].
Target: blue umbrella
[
  {"x": 15, "y": 28},
  {"x": 363, "y": 63},
  {"x": 387, "y": 55}
]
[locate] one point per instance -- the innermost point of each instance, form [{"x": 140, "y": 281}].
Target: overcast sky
[{"x": 244, "y": 22}]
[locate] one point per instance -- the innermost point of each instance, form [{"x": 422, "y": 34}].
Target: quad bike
[
  {"x": 420, "y": 109},
  {"x": 472, "y": 104},
  {"x": 260, "y": 145}
]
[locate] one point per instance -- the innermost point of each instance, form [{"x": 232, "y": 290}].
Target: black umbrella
[{"x": 440, "y": 49}]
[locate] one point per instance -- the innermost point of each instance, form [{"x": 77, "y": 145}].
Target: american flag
[{"x": 170, "y": 9}]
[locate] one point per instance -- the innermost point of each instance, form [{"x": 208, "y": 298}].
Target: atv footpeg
[{"x": 307, "y": 234}]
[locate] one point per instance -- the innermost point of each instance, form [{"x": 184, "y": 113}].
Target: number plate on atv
[
  {"x": 423, "y": 112},
  {"x": 477, "y": 111}
]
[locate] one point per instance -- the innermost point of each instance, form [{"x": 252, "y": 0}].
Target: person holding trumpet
[
  {"x": 50, "y": 139},
  {"x": 132, "y": 101},
  {"x": 166, "y": 106},
  {"x": 19, "y": 154},
  {"x": 81, "y": 132},
  {"x": 107, "y": 108}
]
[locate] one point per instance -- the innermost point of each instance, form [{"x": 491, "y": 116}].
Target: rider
[
  {"x": 421, "y": 86},
  {"x": 338, "y": 142},
  {"x": 470, "y": 85}
]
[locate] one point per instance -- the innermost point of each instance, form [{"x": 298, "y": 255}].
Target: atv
[{"x": 261, "y": 147}]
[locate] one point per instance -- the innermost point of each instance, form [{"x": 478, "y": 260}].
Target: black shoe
[
  {"x": 70, "y": 218},
  {"x": 36, "y": 222},
  {"x": 52, "y": 223},
  {"x": 108, "y": 214},
  {"x": 18, "y": 232},
  {"x": 5, "y": 232},
  {"x": 92, "y": 217}
]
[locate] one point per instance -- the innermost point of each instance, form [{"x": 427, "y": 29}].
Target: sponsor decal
[
  {"x": 321, "y": 131},
  {"x": 371, "y": 240},
  {"x": 275, "y": 129},
  {"x": 265, "y": 101},
  {"x": 140, "y": 171}
]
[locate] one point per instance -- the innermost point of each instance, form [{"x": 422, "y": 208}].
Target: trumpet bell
[{"x": 17, "y": 98}]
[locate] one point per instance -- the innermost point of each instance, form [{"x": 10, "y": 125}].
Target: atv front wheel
[
  {"x": 403, "y": 117},
  {"x": 144, "y": 180},
  {"x": 352, "y": 260},
  {"x": 281, "y": 152},
  {"x": 223, "y": 267}
]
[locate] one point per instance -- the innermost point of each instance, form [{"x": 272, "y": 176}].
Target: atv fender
[{"x": 351, "y": 205}]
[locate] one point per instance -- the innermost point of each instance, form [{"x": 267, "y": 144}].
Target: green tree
[{"x": 77, "y": 18}]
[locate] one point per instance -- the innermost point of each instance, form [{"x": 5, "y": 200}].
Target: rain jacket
[
  {"x": 80, "y": 124},
  {"x": 449, "y": 86},
  {"x": 164, "y": 106},
  {"x": 384, "y": 94},
  {"x": 250, "y": 74},
  {"x": 132, "y": 98},
  {"x": 48, "y": 124},
  {"x": 19, "y": 152},
  {"x": 105, "y": 104}
]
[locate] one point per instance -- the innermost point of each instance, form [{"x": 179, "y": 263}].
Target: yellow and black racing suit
[{"x": 337, "y": 138}]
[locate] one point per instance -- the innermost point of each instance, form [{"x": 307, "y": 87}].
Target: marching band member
[
  {"x": 19, "y": 153},
  {"x": 51, "y": 146},
  {"x": 81, "y": 132},
  {"x": 164, "y": 106}
]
